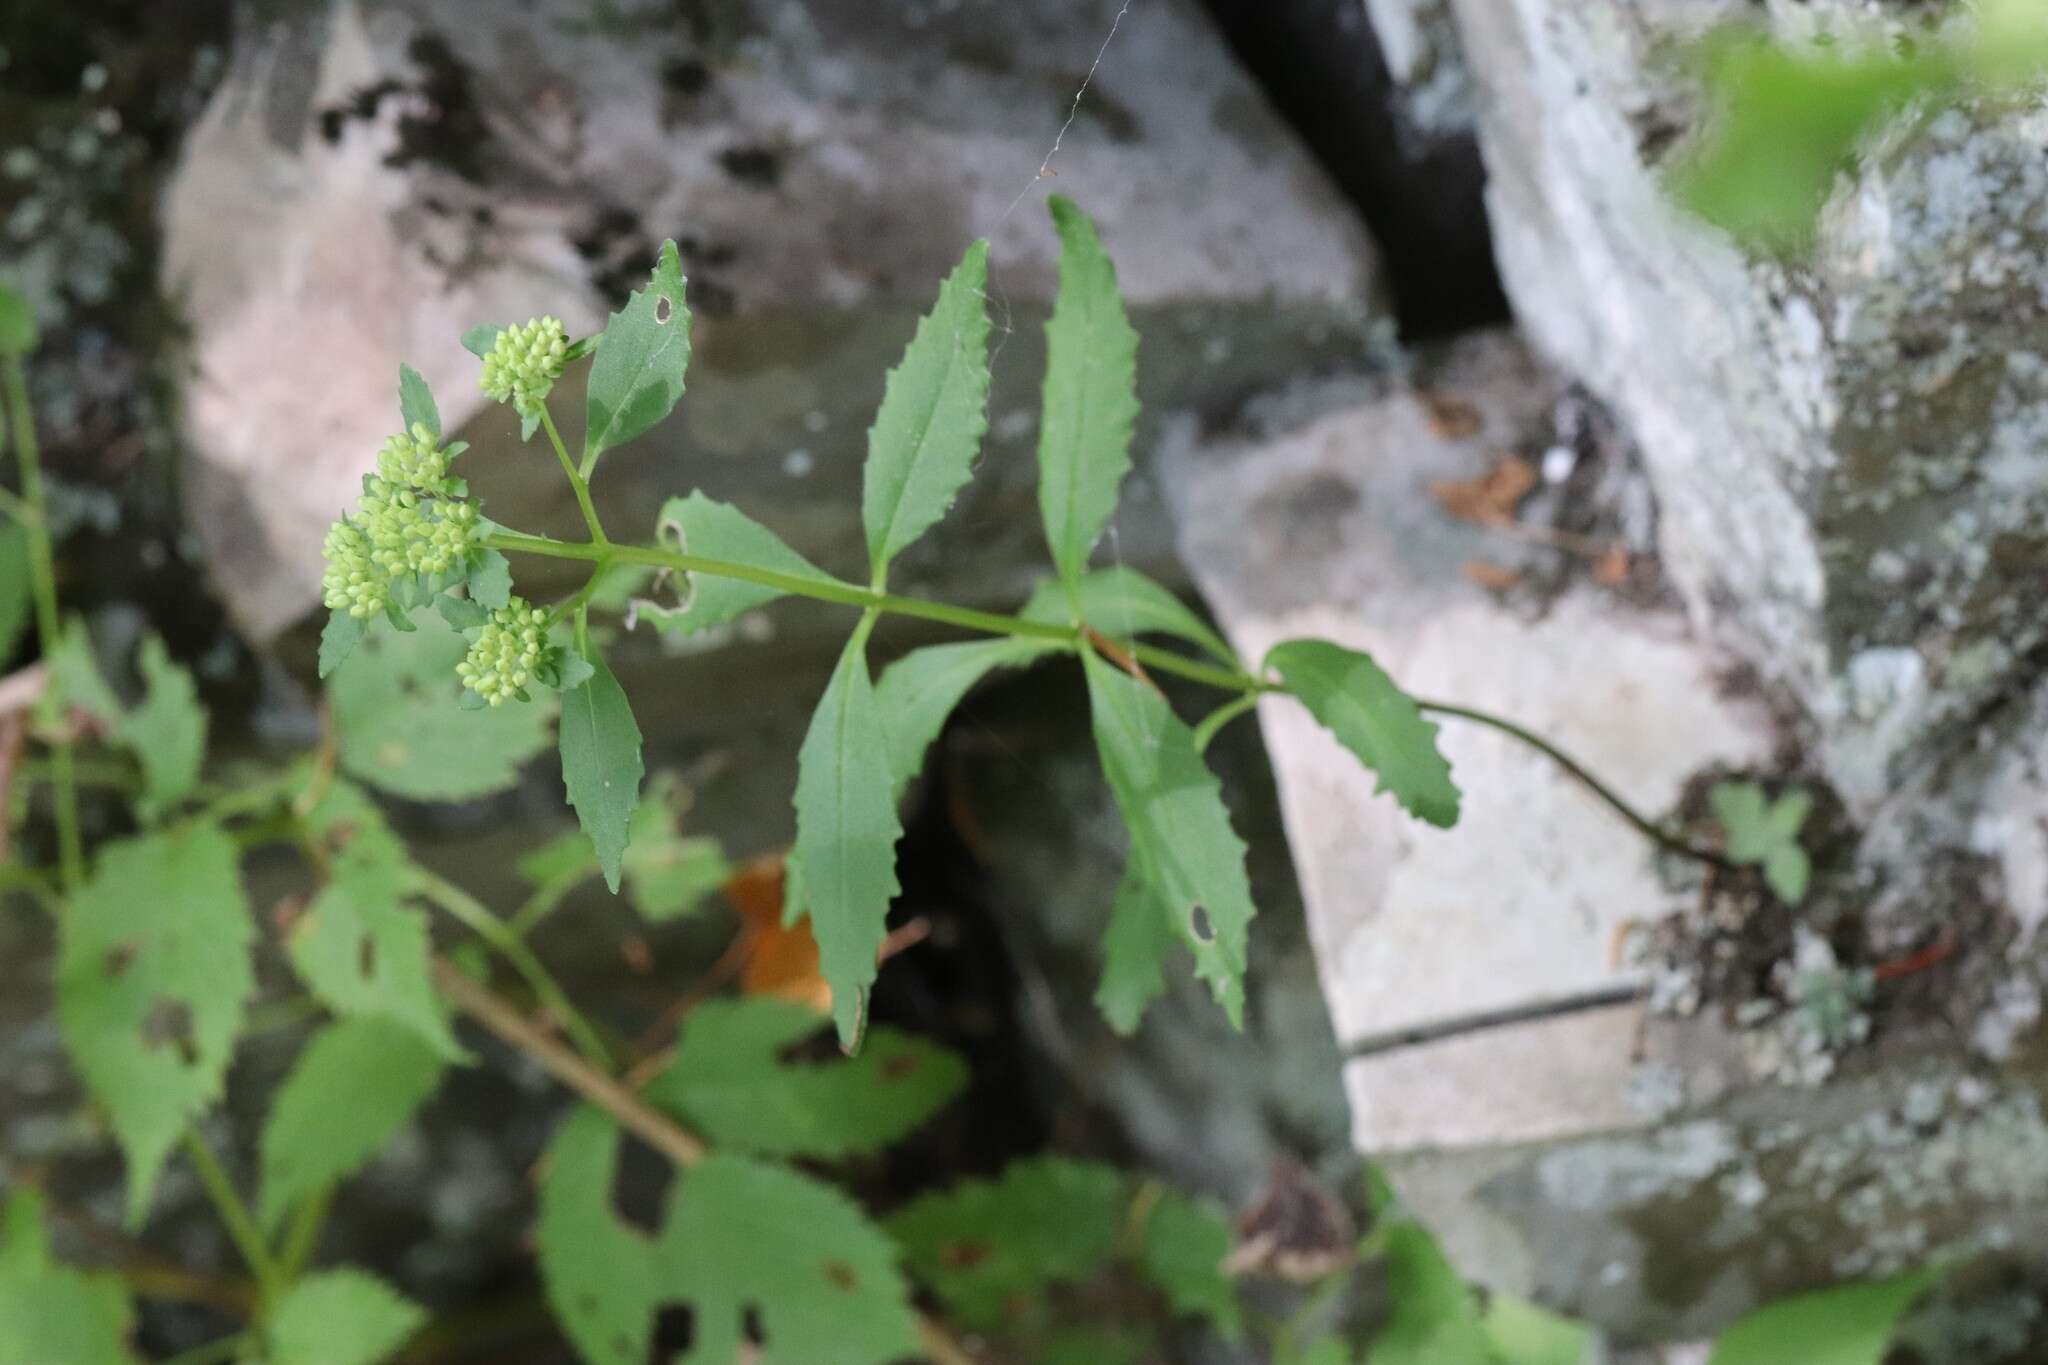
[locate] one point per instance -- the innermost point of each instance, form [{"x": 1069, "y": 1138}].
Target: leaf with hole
[
  {"x": 919, "y": 690},
  {"x": 730, "y": 1083},
  {"x": 747, "y": 1241},
  {"x": 637, "y": 378},
  {"x": 1848, "y": 1325},
  {"x": 846, "y": 833},
  {"x": 934, "y": 412},
  {"x": 1354, "y": 699},
  {"x": 362, "y": 951},
  {"x": 983, "y": 1243},
  {"x": 354, "y": 1084},
  {"x": 341, "y": 1317},
  {"x": 153, "y": 978},
  {"x": 700, "y": 526},
  {"x": 1091, "y": 398},
  {"x": 166, "y": 732},
  {"x": 602, "y": 1276},
  {"x": 1181, "y": 838},
  {"x": 50, "y": 1313},
  {"x": 416, "y": 402},
  {"x": 400, "y": 726},
  {"x": 601, "y": 763}
]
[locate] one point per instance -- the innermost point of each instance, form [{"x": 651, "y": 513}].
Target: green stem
[
  {"x": 43, "y": 582},
  {"x": 545, "y": 898},
  {"x": 577, "y": 481},
  {"x": 17, "y": 878},
  {"x": 1645, "y": 826},
  {"x": 493, "y": 931},
  {"x": 1221, "y": 717},
  {"x": 304, "y": 1235},
  {"x": 85, "y": 773},
  {"x": 234, "y": 1215}
]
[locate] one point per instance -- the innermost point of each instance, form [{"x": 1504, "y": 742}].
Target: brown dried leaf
[
  {"x": 1489, "y": 500},
  {"x": 1494, "y": 577},
  {"x": 1612, "y": 568}
]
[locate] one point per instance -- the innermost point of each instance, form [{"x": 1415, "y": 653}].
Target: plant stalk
[
  {"x": 578, "y": 483},
  {"x": 234, "y": 1216},
  {"x": 34, "y": 515}
]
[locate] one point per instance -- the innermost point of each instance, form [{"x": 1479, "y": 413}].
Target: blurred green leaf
[
  {"x": 1765, "y": 833},
  {"x": 602, "y": 1276},
  {"x": 1142, "y": 931},
  {"x": 338, "y": 639},
  {"x": 341, "y": 1317},
  {"x": 401, "y": 727},
  {"x": 51, "y": 1314},
  {"x": 1433, "y": 1316},
  {"x": 1849, "y": 1325},
  {"x": 354, "y": 1084},
  {"x": 729, "y": 1082},
  {"x": 18, "y": 335},
  {"x": 1186, "y": 1243},
  {"x": 167, "y": 732},
  {"x": 15, "y": 587},
  {"x": 153, "y": 978},
  {"x": 416, "y": 403},
  {"x": 1523, "y": 1334}
]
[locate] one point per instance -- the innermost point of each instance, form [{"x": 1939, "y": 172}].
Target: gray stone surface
[
  {"x": 1632, "y": 1136},
  {"x": 378, "y": 177},
  {"x": 1845, "y": 450}
]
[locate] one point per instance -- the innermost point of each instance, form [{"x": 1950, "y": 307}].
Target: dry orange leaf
[
  {"x": 1489, "y": 500},
  {"x": 780, "y": 962},
  {"x": 1450, "y": 419},
  {"x": 1611, "y": 569}
]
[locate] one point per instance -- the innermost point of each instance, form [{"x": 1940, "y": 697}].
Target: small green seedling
[{"x": 1765, "y": 833}]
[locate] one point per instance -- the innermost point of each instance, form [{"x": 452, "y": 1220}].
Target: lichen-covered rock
[
  {"x": 1846, "y": 449},
  {"x": 1651, "y": 1096},
  {"x": 375, "y": 178}
]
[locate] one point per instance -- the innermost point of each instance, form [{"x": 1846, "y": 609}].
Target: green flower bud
[
  {"x": 510, "y": 646},
  {"x": 525, "y": 363},
  {"x": 354, "y": 582},
  {"x": 415, "y": 460}
]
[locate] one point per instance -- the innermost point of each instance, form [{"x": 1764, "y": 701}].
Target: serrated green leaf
[
  {"x": 338, "y": 639},
  {"x": 416, "y": 402},
  {"x": 1787, "y": 871},
  {"x": 745, "y": 1240},
  {"x": 1091, "y": 397},
  {"x": 637, "y": 378},
  {"x": 480, "y": 340},
  {"x": 934, "y": 412},
  {"x": 728, "y": 1080},
  {"x": 341, "y": 1317},
  {"x": 1354, "y": 699},
  {"x": 167, "y": 732},
  {"x": 1181, "y": 838},
  {"x": 603, "y": 1277},
  {"x": 601, "y": 763},
  {"x": 401, "y": 729},
  {"x": 1765, "y": 834},
  {"x": 919, "y": 690},
  {"x": 153, "y": 978},
  {"x": 51, "y": 1314},
  {"x": 490, "y": 581},
  {"x": 363, "y": 952},
  {"x": 1123, "y": 604},
  {"x": 566, "y": 855},
  {"x": 1141, "y": 933},
  {"x": 846, "y": 833},
  {"x": 18, "y": 335},
  {"x": 15, "y": 586},
  {"x": 1523, "y": 1334},
  {"x": 981, "y": 1243},
  {"x": 75, "y": 679},
  {"x": 699, "y": 525},
  {"x": 354, "y": 1083},
  {"x": 1186, "y": 1243},
  {"x": 1433, "y": 1315},
  {"x": 1848, "y": 1325}
]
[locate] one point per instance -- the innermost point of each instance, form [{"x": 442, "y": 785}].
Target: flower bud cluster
[
  {"x": 508, "y": 650},
  {"x": 524, "y": 364},
  {"x": 413, "y": 519}
]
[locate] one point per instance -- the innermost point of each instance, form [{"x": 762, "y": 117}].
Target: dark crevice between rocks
[{"x": 1320, "y": 65}]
